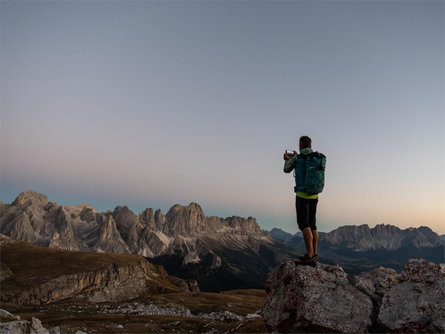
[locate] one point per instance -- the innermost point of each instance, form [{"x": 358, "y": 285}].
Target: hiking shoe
[
  {"x": 308, "y": 261},
  {"x": 306, "y": 257}
]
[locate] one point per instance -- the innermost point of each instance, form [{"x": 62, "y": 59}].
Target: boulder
[
  {"x": 5, "y": 315},
  {"x": 416, "y": 303},
  {"x": 14, "y": 327},
  {"x": 324, "y": 299},
  {"x": 23, "y": 326},
  {"x": 314, "y": 299},
  {"x": 37, "y": 328}
]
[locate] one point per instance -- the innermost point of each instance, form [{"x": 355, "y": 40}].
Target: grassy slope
[
  {"x": 84, "y": 316},
  {"x": 240, "y": 302},
  {"x": 33, "y": 265}
]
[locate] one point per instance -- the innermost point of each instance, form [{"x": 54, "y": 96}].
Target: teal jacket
[{"x": 290, "y": 165}]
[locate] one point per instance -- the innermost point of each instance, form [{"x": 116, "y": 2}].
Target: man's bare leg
[
  {"x": 315, "y": 241},
  {"x": 308, "y": 240}
]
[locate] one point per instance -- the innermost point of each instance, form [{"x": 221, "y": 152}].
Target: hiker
[{"x": 309, "y": 168}]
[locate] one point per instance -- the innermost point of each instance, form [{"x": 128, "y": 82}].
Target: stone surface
[
  {"x": 311, "y": 299},
  {"x": 14, "y": 327},
  {"x": 54, "y": 330},
  {"x": 416, "y": 303},
  {"x": 37, "y": 328},
  {"x": 22, "y": 326},
  {"x": 324, "y": 298},
  {"x": 383, "y": 279},
  {"x": 6, "y": 315}
]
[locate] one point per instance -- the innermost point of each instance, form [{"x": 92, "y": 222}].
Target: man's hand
[{"x": 287, "y": 156}]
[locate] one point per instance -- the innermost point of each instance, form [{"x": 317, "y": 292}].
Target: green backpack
[{"x": 309, "y": 176}]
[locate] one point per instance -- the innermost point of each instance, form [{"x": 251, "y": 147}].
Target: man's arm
[{"x": 290, "y": 164}]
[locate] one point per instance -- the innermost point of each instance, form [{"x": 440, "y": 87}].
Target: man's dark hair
[{"x": 305, "y": 142}]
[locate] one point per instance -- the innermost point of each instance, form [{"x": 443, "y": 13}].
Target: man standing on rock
[{"x": 309, "y": 169}]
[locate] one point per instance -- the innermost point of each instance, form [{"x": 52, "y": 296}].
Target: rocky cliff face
[
  {"x": 32, "y": 218},
  {"x": 38, "y": 275},
  {"x": 184, "y": 232},
  {"x": 362, "y": 238},
  {"x": 325, "y": 299}
]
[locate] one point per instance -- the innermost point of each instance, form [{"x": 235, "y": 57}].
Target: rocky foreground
[
  {"x": 326, "y": 299},
  {"x": 235, "y": 312}
]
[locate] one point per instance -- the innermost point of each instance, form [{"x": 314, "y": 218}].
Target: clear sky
[{"x": 153, "y": 103}]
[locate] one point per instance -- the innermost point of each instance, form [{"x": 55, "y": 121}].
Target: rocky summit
[
  {"x": 221, "y": 253},
  {"x": 326, "y": 299}
]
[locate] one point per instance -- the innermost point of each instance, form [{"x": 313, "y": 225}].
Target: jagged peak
[
  {"x": 195, "y": 206},
  {"x": 192, "y": 207},
  {"x": 123, "y": 210},
  {"x": 30, "y": 195},
  {"x": 148, "y": 210},
  {"x": 386, "y": 226}
]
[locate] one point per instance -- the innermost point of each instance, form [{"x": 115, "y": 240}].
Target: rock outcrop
[
  {"x": 42, "y": 275},
  {"x": 417, "y": 302},
  {"x": 10, "y": 324},
  {"x": 325, "y": 299},
  {"x": 314, "y": 299}
]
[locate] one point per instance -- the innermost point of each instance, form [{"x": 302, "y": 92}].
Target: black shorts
[{"x": 306, "y": 211}]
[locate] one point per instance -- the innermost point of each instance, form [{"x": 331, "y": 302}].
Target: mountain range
[
  {"x": 360, "y": 248},
  {"x": 220, "y": 253}
]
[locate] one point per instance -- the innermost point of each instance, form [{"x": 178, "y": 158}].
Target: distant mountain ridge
[
  {"x": 363, "y": 238},
  {"x": 361, "y": 248},
  {"x": 279, "y": 235},
  {"x": 233, "y": 251}
]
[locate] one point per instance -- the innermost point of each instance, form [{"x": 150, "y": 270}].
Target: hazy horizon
[{"x": 153, "y": 103}]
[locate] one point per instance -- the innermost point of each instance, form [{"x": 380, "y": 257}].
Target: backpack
[{"x": 310, "y": 172}]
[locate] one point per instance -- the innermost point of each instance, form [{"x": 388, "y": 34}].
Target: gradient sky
[{"x": 152, "y": 103}]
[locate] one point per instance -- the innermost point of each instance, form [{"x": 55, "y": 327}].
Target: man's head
[{"x": 305, "y": 142}]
